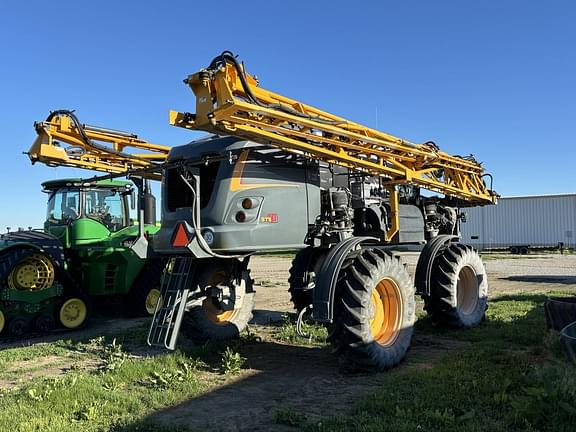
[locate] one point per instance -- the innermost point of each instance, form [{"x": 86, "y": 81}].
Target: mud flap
[
  {"x": 425, "y": 261},
  {"x": 323, "y": 305}
]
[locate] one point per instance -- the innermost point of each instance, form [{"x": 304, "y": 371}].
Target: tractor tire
[
  {"x": 18, "y": 326},
  {"x": 459, "y": 288},
  {"x": 374, "y": 311},
  {"x": 305, "y": 266},
  {"x": 209, "y": 321},
  {"x": 74, "y": 309},
  {"x": 145, "y": 291},
  {"x": 44, "y": 323},
  {"x": 72, "y": 312}
]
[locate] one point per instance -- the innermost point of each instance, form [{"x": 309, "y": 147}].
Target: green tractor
[{"x": 89, "y": 249}]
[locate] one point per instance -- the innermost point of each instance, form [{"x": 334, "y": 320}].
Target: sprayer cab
[{"x": 239, "y": 196}]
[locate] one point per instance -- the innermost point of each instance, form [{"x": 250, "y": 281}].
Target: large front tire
[
  {"x": 214, "y": 320},
  {"x": 459, "y": 288},
  {"x": 374, "y": 311}
]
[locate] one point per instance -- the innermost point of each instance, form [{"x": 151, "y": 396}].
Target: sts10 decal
[{"x": 269, "y": 218}]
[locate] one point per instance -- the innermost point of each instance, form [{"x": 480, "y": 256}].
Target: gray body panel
[{"x": 284, "y": 190}]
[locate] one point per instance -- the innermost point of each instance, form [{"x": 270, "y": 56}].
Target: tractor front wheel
[
  {"x": 374, "y": 311},
  {"x": 227, "y": 307},
  {"x": 72, "y": 312}
]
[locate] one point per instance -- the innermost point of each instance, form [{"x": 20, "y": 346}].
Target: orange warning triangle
[{"x": 181, "y": 238}]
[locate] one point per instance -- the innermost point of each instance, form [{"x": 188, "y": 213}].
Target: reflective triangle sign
[{"x": 180, "y": 238}]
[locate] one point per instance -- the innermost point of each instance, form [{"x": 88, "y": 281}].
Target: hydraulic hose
[
  {"x": 87, "y": 140},
  {"x": 228, "y": 57}
]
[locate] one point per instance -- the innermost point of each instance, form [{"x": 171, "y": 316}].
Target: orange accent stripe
[{"x": 236, "y": 181}]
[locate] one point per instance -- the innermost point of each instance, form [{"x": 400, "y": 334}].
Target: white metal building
[{"x": 534, "y": 221}]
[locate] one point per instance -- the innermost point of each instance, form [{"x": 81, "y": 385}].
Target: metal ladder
[{"x": 172, "y": 304}]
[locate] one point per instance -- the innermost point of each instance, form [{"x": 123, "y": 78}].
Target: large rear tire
[
  {"x": 216, "y": 319},
  {"x": 459, "y": 288},
  {"x": 374, "y": 311}
]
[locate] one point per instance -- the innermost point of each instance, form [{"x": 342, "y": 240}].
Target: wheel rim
[
  {"x": 467, "y": 290},
  {"x": 2, "y": 321},
  {"x": 386, "y": 301},
  {"x": 211, "y": 307},
  {"x": 216, "y": 314},
  {"x": 153, "y": 298},
  {"x": 35, "y": 272},
  {"x": 73, "y": 313}
]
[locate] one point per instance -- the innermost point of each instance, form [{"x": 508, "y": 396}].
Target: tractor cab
[{"x": 80, "y": 212}]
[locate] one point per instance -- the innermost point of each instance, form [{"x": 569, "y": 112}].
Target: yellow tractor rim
[
  {"x": 2, "y": 321},
  {"x": 35, "y": 272},
  {"x": 73, "y": 313},
  {"x": 152, "y": 299},
  {"x": 386, "y": 320}
]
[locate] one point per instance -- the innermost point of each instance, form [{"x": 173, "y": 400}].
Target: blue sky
[{"x": 496, "y": 79}]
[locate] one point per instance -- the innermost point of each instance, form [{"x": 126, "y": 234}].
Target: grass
[
  {"x": 316, "y": 334},
  {"x": 122, "y": 389},
  {"x": 511, "y": 376},
  {"x": 507, "y": 375},
  {"x": 117, "y": 394}
]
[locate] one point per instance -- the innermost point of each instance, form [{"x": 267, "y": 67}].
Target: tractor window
[
  {"x": 63, "y": 206},
  {"x": 107, "y": 207}
]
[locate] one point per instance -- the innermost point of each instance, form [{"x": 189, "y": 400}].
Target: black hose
[
  {"x": 86, "y": 139},
  {"x": 228, "y": 57}
]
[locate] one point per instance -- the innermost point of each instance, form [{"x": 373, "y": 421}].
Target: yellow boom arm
[
  {"x": 64, "y": 141},
  {"x": 229, "y": 101}
]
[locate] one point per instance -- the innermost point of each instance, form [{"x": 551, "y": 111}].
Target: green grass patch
[
  {"x": 123, "y": 389},
  {"x": 510, "y": 377},
  {"x": 316, "y": 334}
]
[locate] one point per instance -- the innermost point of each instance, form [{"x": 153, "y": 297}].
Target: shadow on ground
[
  {"x": 284, "y": 378},
  {"x": 567, "y": 280},
  {"x": 310, "y": 381}
]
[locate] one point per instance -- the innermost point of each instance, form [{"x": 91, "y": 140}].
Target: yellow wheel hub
[
  {"x": 2, "y": 321},
  {"x": 35, "y": 272},
  {"x": 152, "y": 299},
  {"x": 214, "y": 313},
  {"x": 386, "y": 319},
  {"x": 73, "y": 313}
]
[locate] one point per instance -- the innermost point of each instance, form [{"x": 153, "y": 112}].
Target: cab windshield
[
  {"x": 63, "y": 206},
  {"x": 107, "y": 206}
]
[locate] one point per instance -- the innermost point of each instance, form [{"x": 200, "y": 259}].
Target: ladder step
[{"x": 167, "y": 319}]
